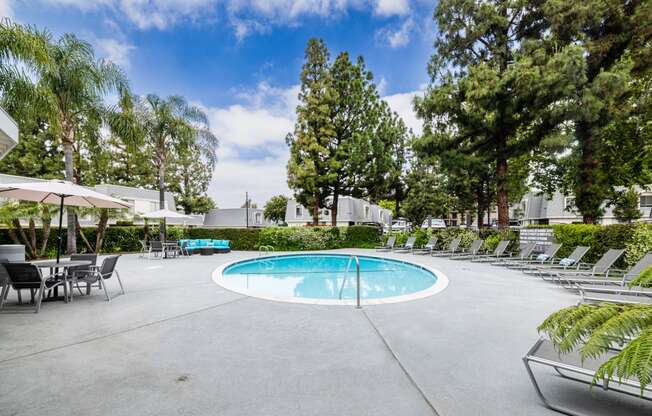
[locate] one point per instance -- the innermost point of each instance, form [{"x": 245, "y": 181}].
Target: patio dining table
[{"x": 53, "y": 265}]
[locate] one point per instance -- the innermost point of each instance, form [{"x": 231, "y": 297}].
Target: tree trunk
[
  {"x": 336, "y": 198},
  {"x": 69, "y": 137},
  {"x": 32, "y": 235},
  {"x": 161, "y": 198},
  {"x": 31, "y": 252},
  {"x": 502, "y": 201},
  {"x": 83, "y": 236},
  {"x": 47, "y": 226},
  {"x": 101, "y": 230},
  {"x": 588, "y": 195},
  {"x": 315, "y": 210}
]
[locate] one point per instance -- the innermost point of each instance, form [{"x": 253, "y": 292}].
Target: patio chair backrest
[
  {"x": 4, "y": 276},
  {"x": 410, "y": 241},
  {"x": 23, "y": 275},
  {"x": 454, "y": 244},
  {"x": 551, "y": 250},
  {"x": 476, "y": 245},
  {"x": 432, "y": 243},
  {"x": 607, "y": 260},
  {"x": 143, "y": 244},
  {"x": 527, "y": 250},
  {"x": 642, "y": 264},
  {"x": 391, "y": 241},
  {"x": 578, "y": 253},
  {"x": 156, "y": 245},
  {"x": 108, "y": 266},
  {"x": 501, "y": 247},
  {"x": 83, "y": 257}
]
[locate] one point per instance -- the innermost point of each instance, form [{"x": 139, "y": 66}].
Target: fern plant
[
  {"x": 644, "y": 279},
  {"x": 593, "y": 329}
]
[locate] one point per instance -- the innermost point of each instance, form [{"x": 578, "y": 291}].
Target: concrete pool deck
[{"x": 178, "y": 344}]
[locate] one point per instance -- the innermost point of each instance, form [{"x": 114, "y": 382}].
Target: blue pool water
[{"x": 324, "y": 276}]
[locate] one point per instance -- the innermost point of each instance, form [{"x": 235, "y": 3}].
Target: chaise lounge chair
[
  {"x": 572, "y": 367},
  {"x": 498, "y": 253},
  {"x": 448, "y": 251},
  {"x": 428, "y": 248},
  {"x": 587, "y": 273},
  {"x": 619, "y": 291},
  {"x": 567, "y": 263},
  {"x": 524, "y": 253},
  {"x": 546, "y": 257},
  {"x": 389, "y": 245},
  {"x": 408, "y": 246},
  {"x": 469, "y": 254}
]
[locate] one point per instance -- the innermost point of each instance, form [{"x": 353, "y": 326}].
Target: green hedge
[
  {"x": 599, "y": 237},
  {"x": 444, "y": 236},
  {"x": 120, "y": 239}
]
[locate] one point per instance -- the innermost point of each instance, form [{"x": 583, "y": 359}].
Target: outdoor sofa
[{"x": 197, "y": 245}]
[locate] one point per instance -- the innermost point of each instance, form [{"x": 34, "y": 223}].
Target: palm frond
[{"x": 634, "y": 361}]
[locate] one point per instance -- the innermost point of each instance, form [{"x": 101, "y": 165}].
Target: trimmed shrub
[
  {"x": 599, "y": 237},
  {"x": 360, "y": 236},
  {"x": 639, "y": 244}
]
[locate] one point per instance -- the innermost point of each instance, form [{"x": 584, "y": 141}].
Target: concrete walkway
[{"x": 178, "y": 344}]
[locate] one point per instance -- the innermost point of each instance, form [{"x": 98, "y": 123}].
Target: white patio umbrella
[
  {"x": 60, "y": 193},
  {"x": 164, "y": 214}
]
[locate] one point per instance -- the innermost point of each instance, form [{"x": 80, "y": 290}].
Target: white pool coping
[{"x": 440, "y": 284}]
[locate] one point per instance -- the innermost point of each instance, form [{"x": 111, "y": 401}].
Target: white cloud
[
  {"x": 244, "y": 16},
  {"x": 402, "y": 104},
  {"x": 253, "y": 154},
  {"x": 397, "y": 37},
  {"x": 115, "y": 51},
  {"x": 5, "y": 9},
  {"x": 392, "y": 7}
]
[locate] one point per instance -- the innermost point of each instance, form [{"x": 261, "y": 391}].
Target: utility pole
[{"x": 247, "y": 207}]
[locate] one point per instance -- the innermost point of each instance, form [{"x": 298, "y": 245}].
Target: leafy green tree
[
  {"x": 615, "y": 38},
  {"x": 190, "y": 179},
  {"x": 308, "y": 174},
  {"x": 11, "y": 212},
  {"x": 275, "y": 208},
  {"x": 168, "y": 125},
  {"x": 498, "y": 81},
  {"x": 67, "y": 92},
  {"x": 425, "y": 194},
  {"x": 625, "y": 205}
]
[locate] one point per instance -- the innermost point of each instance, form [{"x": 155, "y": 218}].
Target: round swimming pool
[{"x": 329, "y": 279}]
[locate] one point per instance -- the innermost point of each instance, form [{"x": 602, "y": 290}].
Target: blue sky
[{"x": 240, "y": 60}]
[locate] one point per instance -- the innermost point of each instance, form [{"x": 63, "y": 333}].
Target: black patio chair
[
  {"x": 28, "y": 276},
  {"x": 79, "y": 269},
  {"x": 100, "y": 274}
]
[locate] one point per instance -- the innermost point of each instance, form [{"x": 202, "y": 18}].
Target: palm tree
[
  {"x": 68, "y": 91},
  {"x": 170, "y": 125}
]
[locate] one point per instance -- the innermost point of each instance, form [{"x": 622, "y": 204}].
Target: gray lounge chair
[
  {"x": 428, "y": 248},
  {"x": 408, "y": 246},
  {"x": 618, "y": 290},
  {"x": 389, "y": 245},
  {"x": 587, "y": 273},
  {"x": 573, "y": 262},
  {"x": 469, "y": 254},
  {"x": 524, "y": 253},
  {"x": 452, "y": 248},
  {"x": 546, "y": 257},
  {"x": 498, "y": 253},
  {"x": 572, "y": 367}
]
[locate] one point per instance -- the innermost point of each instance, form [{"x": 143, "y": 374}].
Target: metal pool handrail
[
  {"x": 265, "y": 249},
  {"x": 357, "y": 279}
]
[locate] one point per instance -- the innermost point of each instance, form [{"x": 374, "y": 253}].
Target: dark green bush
[
  {"x": 360, "y": 236},
  {"x": 599, "y": 237}
]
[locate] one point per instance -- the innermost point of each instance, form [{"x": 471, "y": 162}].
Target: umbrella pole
[{"x": 59, "y": 240}]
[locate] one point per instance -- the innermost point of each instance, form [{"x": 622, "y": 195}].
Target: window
[
  {"x": 298, "y": 212},
  {"x": 569, "y": 204},
  {"x": 646, "y": 201},
  {"x": 367, "y": 211},
  {"x": 259, "y": 218}
]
